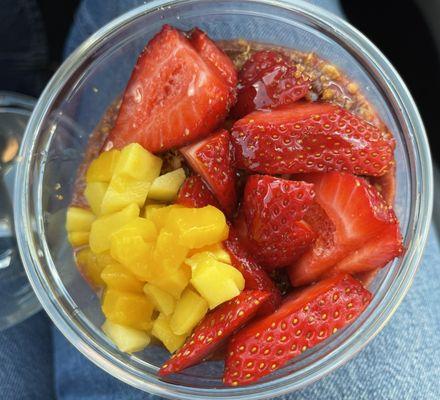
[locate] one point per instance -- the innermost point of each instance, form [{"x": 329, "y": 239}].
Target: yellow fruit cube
[
  {"x": 122, "y": 191},
  {"x": 217, "y": 282},
  {"x": 128, "y": 340},
  {"x": 129, "y": 309},
  {"x": 94, "y": 193},
  {"x": 172, "y": 282},
  {"x": 89, "y": 267},
  {"x": 162, "y": 300},
  {"x": 103, "y": 227},
  {"x": 189, "y": 311},
  {"x": 101, "y": 169},
  {"x": 134, "y": 253},
  {"x": 159, "y": 215},
  {"x": 161, "y": 330},
  {"x": 150, "y": 209},
  {"x": 78, "y": 219},
  {"x": 120, "y": 278},
  {"x": 217, "y": 250},
  {"x": 77, "y": 239},
  {"x": 138, "y": 227},
  {"x": 168, "y": 254},
  {"x": 137, "y": 163},
  {"x": 198, "y": 227},
  {"x": 166, "y": 187}
]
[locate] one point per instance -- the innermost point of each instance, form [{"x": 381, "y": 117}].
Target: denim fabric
[{"x": 402, "y": 362}]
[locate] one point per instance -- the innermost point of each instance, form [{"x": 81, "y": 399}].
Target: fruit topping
[
  {"x": 174, "y": 95},
  {"x": 273, "y": 210},
  {"x": 311, "y": 137},
  {"x": 302, "y": 321},
  {"x": 267, "y": 80},
  {"x": 194, "y": 193},
  {"x": 352, "y": 214},
  {"x": 211, "y": 159},
  {"x": 211, "y": 332}
]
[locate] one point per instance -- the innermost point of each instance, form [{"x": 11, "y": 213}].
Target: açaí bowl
[{"x": 74, "y": 101}]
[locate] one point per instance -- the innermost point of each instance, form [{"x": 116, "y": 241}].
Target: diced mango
[
  {"x": 150, "y": 209},
  {"x": 94, "y": 193},
  {"x": 217, "y": 282},
  {"x": 120, "y": 278},
  {"x": 129, "y": 309},
  {"x": 189, "y": 311},
  {"x": 134, "y": 253},
  {"x": 122, "y": 191},
  {"x": 138, "y": 227},
  {"x": 168, "y": 254},
  {"x": 78, "y": 219},
  {"x": 90, "y": 267},
  {"x": 101, "y": 169},
  {"x": 217, "y": 250},
  {"x": 162, "y": 300},
  {"x": 103, "y": 227},
  {"x": 159, "y": 215},
  {"x": 166, "y": 187},
  {"x": 162, "y": 331},
  {"x": 173, "y": 282},
  {"x": 198, "y": 227},
  {"x": 77, "y": 239},
  {"x": 137, "y": 163},
  {"x": 125, "y": 338}
]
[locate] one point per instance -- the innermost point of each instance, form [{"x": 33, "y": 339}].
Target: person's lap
[{"x": 403, "y": 362}]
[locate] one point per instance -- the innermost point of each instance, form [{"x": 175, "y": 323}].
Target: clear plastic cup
[{"x": 96, "y": 74}]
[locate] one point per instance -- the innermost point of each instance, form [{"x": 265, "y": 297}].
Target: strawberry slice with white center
[
  {"x": 211, "y": 159},
  {"x": 211, "y": 332},
  {"x": 303, "y": 320},
  {"x": 254, "y": 275},
  {"x": 351, "y": 213},
  {"x": 173, "y": 96},
  {"x": 273, "y": 210},
  {"x": 311, "y": 137},
  {"x": 195, "y": 194}
]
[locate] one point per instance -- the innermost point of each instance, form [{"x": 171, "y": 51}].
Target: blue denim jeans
[{"x": 402, "y": 362}]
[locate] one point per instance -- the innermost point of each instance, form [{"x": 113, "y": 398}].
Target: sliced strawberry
[
  {"x": 214, "y": 56},
  {"x": 386, "y": 185},
  {"x": 351, "y": 213},
  {"x": 303, "y": 320},
  {"x": 311, "y": 137},
  {"x": 273, "y": 209},
  {"x": 173, "y": 96},
  {"x": 211, "y": 332},
  {"x": 267, "y": 80},
  {"x": 211, "y": 159},
  {"x": 366, "y": 278},
  {"x": 254, "y": 275},
  {"x": 194, "y": 193},
  {"x": 375, "y": 253}
]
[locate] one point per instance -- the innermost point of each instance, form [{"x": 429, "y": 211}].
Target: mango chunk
[
  {"x": 101, "y": 169},
  {"x": 129, "y": 309},
  {"x": 162, "y": 300},
  {"x": 161, "y": 330},
  {"x": 94, "y": 193},
  {"x": 128, "y": 340},
  {"x": 189, "y": 311},
  {"x": 217, "y": 250},
  {"x": 137, "y": 163},
  {"x": 78, "y": 219},
  {"x": 217, "y": 282},
  {"x": 91, "y": 265},
  {"x": 159, "y": 215},
  {"x": 120, "y": 278},
  {"x": 197, "y": 227},
  {"x": 103, "y": 227},
  {"x": 77, "y": 239},
  {"x": 122, "y": 191},
  {"x": 168, "y": 254},
  {"x": 134, "y": 253},
  {"x": 150, "y": 209},
  {"x": 138, "y": 227},
  {"x": 172, "y": 282},
  {"x": 166, "y": 187}
]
